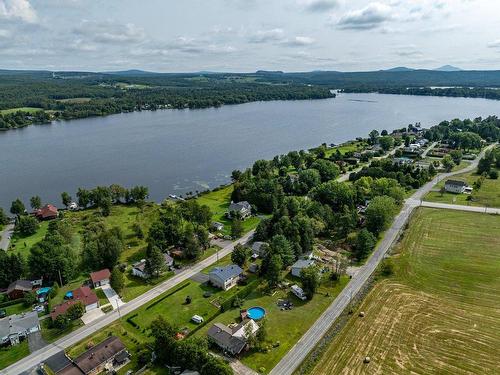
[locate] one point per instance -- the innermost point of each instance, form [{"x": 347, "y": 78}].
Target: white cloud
[
  {"x": 318, "y": 5},
  {"x": 110, "y": 33},
  {"x": 266, "y": 36},
  {"x": 369, "y": 17},
  {"x": 299, "y": 41},
  {"x": 494, "y": 44},
  {"x": 18, "y": 9}
]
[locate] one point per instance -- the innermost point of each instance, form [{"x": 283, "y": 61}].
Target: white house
[
  {"x": 232, "y": 340},
  {"x": 299, "y": 265},
  {"x": 225, "y": 277},
  {"x": 100, "y": 278},
  {"x": 297, "y": 290},
  {"x": 241, "y": 209},
  {"x": 139, "y": 268},
  {"x": 455, "y": 186},
  {"x": 15, "y": 327}
]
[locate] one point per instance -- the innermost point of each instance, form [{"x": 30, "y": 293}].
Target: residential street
[
  {"x": 299, "y": 352},
  {"x": 6, "y": 234},
  {"x": 41, "y": 355},
  {"x": 487, "y": 210}
]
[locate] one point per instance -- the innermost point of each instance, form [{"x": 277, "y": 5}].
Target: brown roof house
[
  {"x": 18, "y": 288},
  {"x": 47, "y": 212},
  {"x": 84, "y": 295},
  {"x": 100, "y": 278},
  {"x": 109, "y": 355},
  {"x": 231, "y": 340}
]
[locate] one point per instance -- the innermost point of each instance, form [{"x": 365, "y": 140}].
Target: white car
[
  {"x": 39, "y": 308},
  {"x": 197, "y": 319}
]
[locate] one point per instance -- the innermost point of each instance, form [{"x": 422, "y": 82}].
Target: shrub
[{"x": 493, "y": 174}]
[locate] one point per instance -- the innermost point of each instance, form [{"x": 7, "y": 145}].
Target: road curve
[
  {"x": 292, "y": 360},
  {"x": 72, "y": 338}
]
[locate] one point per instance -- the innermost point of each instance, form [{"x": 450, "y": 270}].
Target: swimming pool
[
  {"x": 256, "y": 313},
  {"x": 43, "y": 290}
]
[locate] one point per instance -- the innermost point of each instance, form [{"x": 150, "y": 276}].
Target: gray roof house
[
  {"x": 299, "y": 265},
  {"x": 259, "y": 248},
  {"x": 139, "y": 268},
  {"x": 242, "y": 209},
  {"x": 225, "y": 277},
  {"x": 15, "y": 327},
  {"x": 231, "y": 340},
  {"x": 455, "y": 186}
]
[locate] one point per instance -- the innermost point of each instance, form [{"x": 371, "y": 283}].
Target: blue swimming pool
[
  {"x": 256, "y": 313},
  {"x": 43, "y": 290}
]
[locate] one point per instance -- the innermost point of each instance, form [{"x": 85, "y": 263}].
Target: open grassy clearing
[
  {"x": 75, "y": 100},
  {"x": 487, "y": 195},
  {"x": 354, "y": 146},
  {"x": 219, "y": 201},
  {"x": 22, "y": 244},
  {"x": 10, "y": 355},
  {"x": 20, "y": 109},
  {"x": 439, "y": 312}
]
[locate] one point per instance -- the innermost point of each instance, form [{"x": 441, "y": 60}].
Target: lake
[{"x": 176, "y": 151}]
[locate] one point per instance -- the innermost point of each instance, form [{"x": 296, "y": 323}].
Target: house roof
[
  {"x": 100, "y": 275},
  {"x": 256, "y": 247},
  {"x": 223, "y": 336},
  {"x": 47, "y": 211},
  {"x": 303, "y": 263},
  {"x": 18, "y": 323},
  {"x": 455, "y": 182},
  {"x": 226, "y": 273},
  {"x": 86, "y": 295},
  {"x": 62, "y": 308},
  {"x": 240, "y": 206},
  {"x": 22, "y": 285},
  {"x": 99, "y": 354}
]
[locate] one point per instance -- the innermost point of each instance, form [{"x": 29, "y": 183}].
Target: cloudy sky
[{"x": 246, "y": 35}]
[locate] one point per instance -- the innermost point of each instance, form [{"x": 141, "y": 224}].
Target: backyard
[{"x": 438, "y": 313}]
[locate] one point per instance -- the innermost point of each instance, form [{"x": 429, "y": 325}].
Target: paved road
[
  {"x": 310, "y": 339},
  {"x": 6, "y": 234},
  {"x": 459, "y": 207},
  {"x": 40, "y": 356}
]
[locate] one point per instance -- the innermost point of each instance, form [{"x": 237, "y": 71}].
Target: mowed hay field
[{"x": 440, "y": 311}]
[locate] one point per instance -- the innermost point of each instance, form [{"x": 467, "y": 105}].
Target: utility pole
[{"x": 60, "y": 278}]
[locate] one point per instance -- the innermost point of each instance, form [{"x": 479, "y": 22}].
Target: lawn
[
  {"x": 219, "y": 201},
  {"x": 12, "y": 354},
  {"x": 22, "y": 244},
  {"x": 22, "y": 109},
  {"x": 16, "y": 309},
  {"x": 103, "y": 300},
  {"x": 439, "y": 312},
  {"x": 354, "y": 146},
  {"x": 52, "y": 334},
  {"x": 487, "y": 195}
]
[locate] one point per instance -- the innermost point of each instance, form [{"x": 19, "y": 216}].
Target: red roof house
[
  {"x": 100, "y": 278},
  {"x": 84, "y": 295},
  {"x": 47, "y": 212}
]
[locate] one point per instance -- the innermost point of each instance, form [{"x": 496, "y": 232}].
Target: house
[
  {"x": 47, "y": 212},
  {"x": 297, "y": 290},
  {"x": 106, "y": 357},
  {"x": 299, "y": 265},
  {"x": 241, "y": 209},
  {"x": 83, "y": 294},
  {"x": 139, "y": 268},
  {"x": 225, "y": 277},
  {"x": 232, "y": 340},
  {"x": 17, "y": 327},
  {"x": 73, "y": 206},
  {"x": 455, "y": 186},
  {"x": 402, "y": 161},
  {"x": 19, "y": 288},
  {"x": 253, "y": 268},
  {"x": 100, "y": 278},
  {"x": 259, "y": 248},
  {"x": 217, "y": 227}
]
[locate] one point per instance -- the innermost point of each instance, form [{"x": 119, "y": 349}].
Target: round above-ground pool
[{"x": 256, "y": 313}]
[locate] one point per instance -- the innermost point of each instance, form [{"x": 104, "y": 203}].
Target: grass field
[
  {"x": 10, "y": 355},
  {"x": 75, "y": 100},
  {"x": 438, "y": 313},
  {"x": 487, "y": 195},
  {"x": 22, "y": 109},
  {"x": 23, "y": 244},
  {"x": 346, "y": 147},
  {"x": 219, "y": 201}
]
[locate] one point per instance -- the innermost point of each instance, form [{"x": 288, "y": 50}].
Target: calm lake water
[{"x": 175, "y": 151}]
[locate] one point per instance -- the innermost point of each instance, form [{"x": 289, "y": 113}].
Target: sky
[{"x": 248, "y": 35}]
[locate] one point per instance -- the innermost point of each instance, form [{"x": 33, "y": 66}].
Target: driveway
[
  {"x": 92, "y": 315},
  {"x": 6, "y": 234},
  {"x": 35, "y": 341},
  {"x": 200, "y": 278},
  {"x": 112, "y": 296}
]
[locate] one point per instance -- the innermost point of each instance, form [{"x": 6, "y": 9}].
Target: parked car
[
  {"x": 3, "y": 314},
  {"x": 197, "y": 319},
  {"x": 39, "y": 308}
]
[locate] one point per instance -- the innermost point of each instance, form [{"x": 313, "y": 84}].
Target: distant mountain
[
  {"x": 399, "y": 69},
  {"x": 448, "y": 68},
  {"x": 269, "y": 72},
  {"x": 132, "y": 72}
]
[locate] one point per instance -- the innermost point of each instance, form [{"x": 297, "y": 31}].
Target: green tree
[
  {"x": 456, "y": 155},
  {"x": 379, "y": 213},
  {"x": 365, "y": 242},
  {"x": 164, "y": 342},
  {"x": 236, "y": 228},
  {"x": 75, "y": 311},
  {"x": 215, "y": 366},
  {"x": 35, "y": 202},
  {"x": 61, "y": 322},
  {"x": 27, "y": 225},
  {"x": 374, "y": 134},
  {"x": 155, "y": 262},
  {"x": 274, "y": 267},
  {"x": 84, "y": 197},
  {"x": 192, "y": 247},
  {"x": 3, "y": 217},
  {"x": 310, "y": 278},
  {"x": 281, "y": 246},
  {"x": 335, "y": 194},
  {"x": 139, "y": 193},
  {"x": 239, "y": 255},
  {"x": 447, "y": 163},
  {"x": 493, "y": 174},
  {"x": 29, "y": 299},
  {"x": 66, "y": 199},
  {"x": 17, "y": 207},
  {"x": 118, "y": 192},
  {"x": 327, "y": 169},
  {"x": 117, "y": 280},
  {"x": 484, "y": 166},
  {"x": 386, "y": 142}
]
